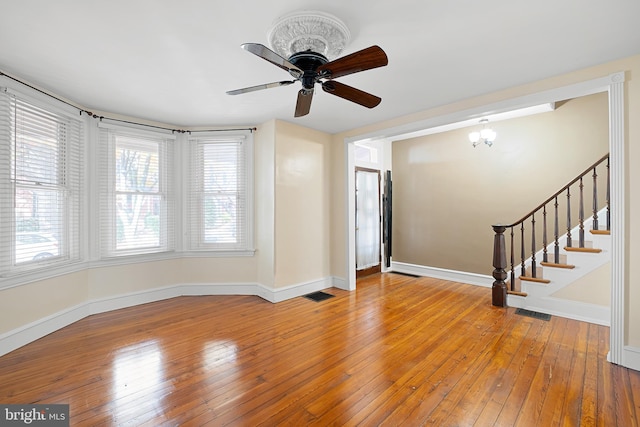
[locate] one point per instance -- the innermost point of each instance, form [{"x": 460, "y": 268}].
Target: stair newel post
[
  {"x": 545, "y": 256},
  {"x": 581, "y": 216},
  {"x": 513, "y": 270},
  {"x": 523, "y": 271},
  {"x": 533, "y": 245},
  {"x": 608, "y": 193},
  {"x": 499, "y": 289},
  {"x": 595, "y": 200},
  {"x": 568, "y": 217},
  {"x": 556, "y": 231}
]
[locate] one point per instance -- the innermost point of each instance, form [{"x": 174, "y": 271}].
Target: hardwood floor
[{"x": 398, "y": 351}]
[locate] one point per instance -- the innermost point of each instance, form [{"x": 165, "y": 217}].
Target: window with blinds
[
  {"x": 41, "y": 192},
  {"x": 136, "y": 200},
  {"x": 218, "y": 203}
]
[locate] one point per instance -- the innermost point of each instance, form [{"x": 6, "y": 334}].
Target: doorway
[
  {"x": 368, "y": 222},
  {"x": 614, "y": 84}
]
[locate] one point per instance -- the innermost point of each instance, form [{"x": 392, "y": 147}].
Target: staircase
[
  {"x": 577, "y": 287},
  {"x": 550, "y": 277}
]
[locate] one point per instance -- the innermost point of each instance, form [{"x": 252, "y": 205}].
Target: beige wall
[
  {"x": 447, "y": 194},
  {"x": 302, "y": 205},
  {"x": 22, "y": 305},
  {"x": 592, "y": 288},
  {"x": 632, "y": 170}
]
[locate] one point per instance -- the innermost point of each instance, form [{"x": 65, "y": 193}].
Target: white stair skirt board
[
  {"x": 584, "y": 312},
  {"x": 25, "y": 334},
  {"x": 442, "y": 273}
]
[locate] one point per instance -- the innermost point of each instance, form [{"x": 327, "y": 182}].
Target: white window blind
[
  {"x": 136, "y": 197},
  {"x": 41, "y": 193},
  {"x": 218, "y": 203}
]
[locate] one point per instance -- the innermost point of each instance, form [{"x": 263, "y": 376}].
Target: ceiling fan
[{"x": 310, "y": 67}]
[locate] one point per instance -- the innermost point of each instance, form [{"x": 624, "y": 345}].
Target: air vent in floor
[
  {"x": 319, "y": 296},
  {"x": 534, "y": 314}
]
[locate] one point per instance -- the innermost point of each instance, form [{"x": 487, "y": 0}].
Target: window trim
[
  {"x": 108, "y": 133},
  {"x": 191, "y": 142},
  {"x": 75, "y": 254}
]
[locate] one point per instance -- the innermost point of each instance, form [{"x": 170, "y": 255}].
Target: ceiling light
[{"x": 486, "y": 135}]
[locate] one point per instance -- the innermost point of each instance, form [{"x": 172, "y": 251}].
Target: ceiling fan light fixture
[{"x": 312, "y": 30}]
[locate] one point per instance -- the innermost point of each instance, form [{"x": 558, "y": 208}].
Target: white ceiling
[{"x": 172, "y": 61}]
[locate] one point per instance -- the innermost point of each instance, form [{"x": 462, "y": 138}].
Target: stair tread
[
  {"x": 588, "y": 250},
  {"x": 554, "y": 265},
  {"x": 522, "y": 294},
  {"x": 603, "y": 232},
  {"x": 534, "y": 279}
]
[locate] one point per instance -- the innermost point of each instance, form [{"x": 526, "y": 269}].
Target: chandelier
[{"x": 486, "y": 135}]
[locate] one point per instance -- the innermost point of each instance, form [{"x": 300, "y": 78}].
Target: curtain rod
[{"x": 95, "y": 116}]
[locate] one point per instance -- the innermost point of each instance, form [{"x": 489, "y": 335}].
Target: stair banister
[{"x": 499, "y": 289}]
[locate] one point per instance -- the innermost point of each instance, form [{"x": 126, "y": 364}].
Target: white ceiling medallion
[{"x": 319, "y": 32}]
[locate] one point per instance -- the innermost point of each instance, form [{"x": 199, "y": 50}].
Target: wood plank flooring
[{"x": 398, "y": 351}]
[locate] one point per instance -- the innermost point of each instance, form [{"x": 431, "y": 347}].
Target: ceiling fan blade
[
  {"x": 351, "y": 94},
  {"x": 365, "y": 59},
  {"x": 260, "y": 87},
  {"x": 269, "y": 55},
  {"x": 303, "y": 106}
]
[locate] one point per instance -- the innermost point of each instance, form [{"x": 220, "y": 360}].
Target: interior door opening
[{"x": 368, "y": 222}]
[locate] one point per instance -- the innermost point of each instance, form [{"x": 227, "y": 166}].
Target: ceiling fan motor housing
[{"x": 308, "y": 61}]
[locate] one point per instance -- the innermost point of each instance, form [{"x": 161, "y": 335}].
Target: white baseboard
[
  {"x": 441, "y": 273},
  {"x": 23, "y": 335},
  {"x": 340, "y": 283},
  {"x": 117, "y": 302},
  {"x": 282, "y": 294},
  {"x": 631, "y": 357}
]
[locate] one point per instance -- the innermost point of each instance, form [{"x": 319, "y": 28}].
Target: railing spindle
[
  {"x": 533, "y": 245},
  {"x": 545, "y": 257},
  {"x": 568, "y": 217},
  {"x": 581, "y": 216},
  {"x": 513, "y": 270},
  {"x": 608, "y": 193},
  {"x": 556, "y": 231},
  {"x": 595, "y": 200},
  {"x": 523, "y": 271}
]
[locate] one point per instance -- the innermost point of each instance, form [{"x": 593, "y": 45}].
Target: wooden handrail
[
  {"x": 589, "y": 169},
  {"x": 499, "y": 288}
]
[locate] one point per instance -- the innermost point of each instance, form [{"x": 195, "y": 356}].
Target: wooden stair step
[
  {"x": 588, "y": 250},
  {"x": 521, "y": 294},
  {"x": 602, "y": 232},
  {"x": 554, "y": 265},
  {"x": 534, "y": 279}
]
